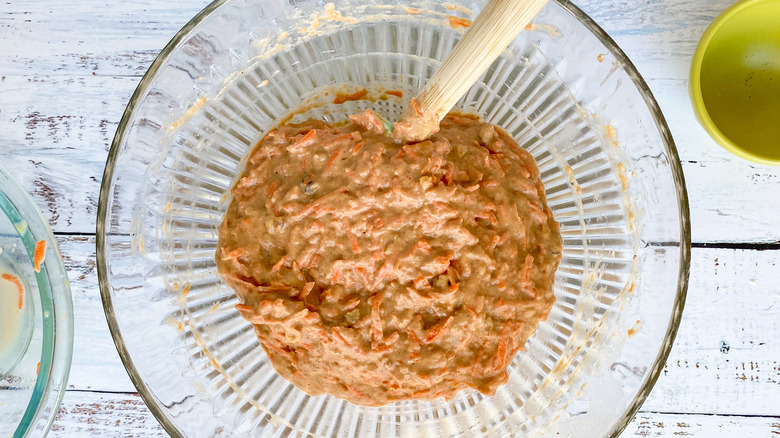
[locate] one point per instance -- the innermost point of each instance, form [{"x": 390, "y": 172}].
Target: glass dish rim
[
  {"x": 59, "y": 325},
  {"x": 584, "y": 19}
]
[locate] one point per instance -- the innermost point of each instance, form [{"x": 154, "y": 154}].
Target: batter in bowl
[{"x": 379, "y": 271}]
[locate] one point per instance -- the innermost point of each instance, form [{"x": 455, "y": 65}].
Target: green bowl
[
  {"x": 735, "y": 80},
  {"x": 34, "y": 369}
]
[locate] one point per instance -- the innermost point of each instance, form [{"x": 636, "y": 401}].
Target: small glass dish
[{"x": 37, "y": 340}]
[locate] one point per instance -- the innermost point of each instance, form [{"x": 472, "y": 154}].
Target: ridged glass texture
[{"x": 563, "y": 91}]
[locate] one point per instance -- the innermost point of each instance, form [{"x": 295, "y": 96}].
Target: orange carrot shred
[
  {"x": 19, "y": 287},
  {"x": 438, "y": 330},
  {"x": 353, "y": 240},
  {"x": 243, "y": 308},
  {"x": 40, "y": 254},
  {"x": 416, "y": 107},
  {"x": 332, "y": 159},
  {"x": 343, "y": 97},
  {"x": 38, "y": 369},
  {"x": 456, "y": 22}
]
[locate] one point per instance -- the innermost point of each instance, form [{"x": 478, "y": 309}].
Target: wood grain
[
  {"x": 728, "y": 343},
  {"x": 91, "y": 414},
  {"x": 112, "y": 38},
  {"x": 57, "y": 147},
  {"x": 651, "y": 424},
  {"x": 67, "y": 71},
  {"x": 96, "y": 364},
  {"x": 726, "y": 358},
  {"x": 497, "y": 25},
  {"x": 659, "y": 36}
]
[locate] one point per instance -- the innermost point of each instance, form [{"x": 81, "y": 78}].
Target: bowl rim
[
  {"x": 702, "y": 114},
  {"x": 56, "y": 311},
  {"x": 566, "y": 5}
]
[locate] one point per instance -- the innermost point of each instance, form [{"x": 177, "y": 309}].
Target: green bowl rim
[
  {"x": 695, "y": 84},
  {"x": 56, "y": 308}
]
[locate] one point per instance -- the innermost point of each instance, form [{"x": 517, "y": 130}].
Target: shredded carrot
[
  {"x": 332, "y": 159},
  {"x": 362, "y": 275},
  {"x": 456, "y": 22},
  {"x": 351, "y": 304},
  {"x": 19, "y": 287},
  {"x": 396, "y": 93},
  {"x": 501, "y": 351},
  {"x": 278, "y": 265},
  {"x": 272, "y": 187},
  {"x": 306, "y": 139},
  {"x": 438, "y": 330},
  {"x": 423, "y": 246},
  {"x": 40, "y": 254},
  {"x": 392, "y": 338},
  {"x": 421, "y": 282},
  {"x": 528, "y": 270},
  {"x": 414, "y": 345},
  {"x": 353, "y": 390},
  {"x": 353, "y": 240},
  {"x": 243, "y": 308},
  {"x": 314, "y": 261},
  {"x": 336, "y": 334},
  {"x": 416, "y": 107},
  {"x": 307, "y": 288},
  {"x": 38, "y": 369},
  {"x": 376, "y": 319},
  {"x": 341, "y": 97}
]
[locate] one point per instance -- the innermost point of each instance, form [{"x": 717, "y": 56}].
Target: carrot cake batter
[{"x": 379, "y": 271}]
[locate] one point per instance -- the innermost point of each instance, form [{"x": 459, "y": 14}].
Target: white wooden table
[{"x": 67, "y": 70}]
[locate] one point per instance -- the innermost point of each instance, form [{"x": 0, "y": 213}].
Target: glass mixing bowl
[
  {"x": 36, "y": 342},
  {"x": 563, "y": 89}
]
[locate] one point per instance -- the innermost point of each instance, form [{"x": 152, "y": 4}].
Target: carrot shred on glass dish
[
  {"x": 40, "y": 254},
  {"x": 13, "y": 279}
]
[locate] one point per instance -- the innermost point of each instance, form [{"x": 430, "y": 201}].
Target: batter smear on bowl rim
[{"x": 379, "y": 271}]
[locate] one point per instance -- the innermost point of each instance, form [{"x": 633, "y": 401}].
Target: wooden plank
[
  {"x": 659, "y": 36},
  {"x": 650, "y": 424},
  {"x": 95, "y": 37},
  {"x": 90, "y": 414},
  {"x": 67, "y": 71},
  {"x": 55, "y": 134},
  {"x": 96, "y": 364},
  {"x": 726, "y": 358},
  {"x": 57, "y": 149},
  {"x": 122, "y": 38},
  {"x": 728, "y": 343}
]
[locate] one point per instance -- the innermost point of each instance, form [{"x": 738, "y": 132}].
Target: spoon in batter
[{"x": 492, "y": 31}]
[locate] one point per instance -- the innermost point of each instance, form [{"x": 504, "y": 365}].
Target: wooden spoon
[{"x": 492, "y": 31}]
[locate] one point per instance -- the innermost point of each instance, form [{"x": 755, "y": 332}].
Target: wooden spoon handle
[{"x": 492, "y": 31}]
